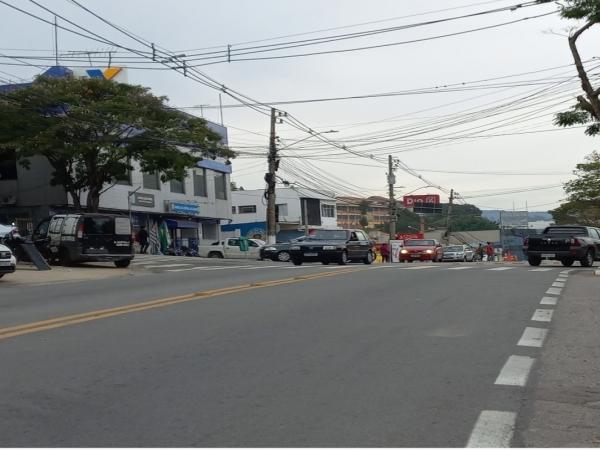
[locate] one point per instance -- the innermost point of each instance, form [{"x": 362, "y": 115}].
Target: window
[
  {"x": 150, "y": 181},
  {"x": 200, "y": 183},
  {"x": 282, "y": 209},
  {"x": 594, "y": 233},
  {"x": 248, "y": 209},
  {"x": 56, "y": 224},
  {"x": 98, "y": 225},
  {"x": 361, "y": 236},
  {"x": 70, "y": 225},
  {"x": 233, "y": 210},
  {"x": 233, "y": 242},
  {"x": 221, "y": 186},
  {"x": 327, "y": 210},
  {"x": 177, "y": 187}
]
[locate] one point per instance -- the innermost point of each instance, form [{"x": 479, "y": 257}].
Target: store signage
[
  {"x": 410, "y": 201},
  {"x": 190, "y": 209},
  {"x": 142, "y": 199}
]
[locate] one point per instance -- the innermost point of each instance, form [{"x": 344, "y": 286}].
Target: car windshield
[
  {"x": 329, "y": 235},
  {"x": 419, "y": 242},
  {"x": 454, "y": 248}
]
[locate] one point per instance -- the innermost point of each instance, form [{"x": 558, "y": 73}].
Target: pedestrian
[
  {"x": 142, "y": 238},
  {"x": 385, "y": 252},
  {"x": 489, "y": 251}
]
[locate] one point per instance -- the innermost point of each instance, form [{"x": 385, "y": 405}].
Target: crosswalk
[{"x": 176, "y": 264}]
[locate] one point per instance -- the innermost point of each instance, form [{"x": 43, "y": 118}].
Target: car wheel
[
  {"x": 297, "y": 262},
  {"x": 534, "y": 260},
  {"x": 369, "y": 258},
  {"x": 215, "y": 255},
  {"x": 122, "y": 263},
  {"x": 283, "y": 256},
  {"x": 588, "y": 259},
  {"x": 567, "y": 262},
  {"x": 343, "y": 258}
]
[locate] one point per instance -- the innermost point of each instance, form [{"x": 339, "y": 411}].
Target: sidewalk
[
  {"x": 27, "y": 274},
  {"x": 563, "y": 407}
]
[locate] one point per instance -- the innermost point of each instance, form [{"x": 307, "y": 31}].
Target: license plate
[
  {"x": 5, "y": 263},
  {"x": 311, "y": 254},
  {"x": 415, "y": 256},
  {"x": 548, "y": 255}
]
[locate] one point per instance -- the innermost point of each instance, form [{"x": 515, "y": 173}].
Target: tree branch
[{"x": 585, "y": 81}]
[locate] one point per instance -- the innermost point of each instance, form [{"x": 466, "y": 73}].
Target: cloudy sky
[{"x": 468, "y": 103}]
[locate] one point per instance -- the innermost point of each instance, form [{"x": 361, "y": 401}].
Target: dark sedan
[
  {"x": 280, "y": 251},
  {"x": 340, "y": 246}
]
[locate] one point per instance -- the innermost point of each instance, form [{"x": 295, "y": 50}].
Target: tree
[
  {"x": 364, "y": 210},
  {"x": 92, "y": 130},
  {"x": 587, "y": 109},
  {"x": 583, "y": 205}
]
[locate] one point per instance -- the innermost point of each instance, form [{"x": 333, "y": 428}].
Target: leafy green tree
[
  {"x": 364, "y": 210},
  {"x": 587, "y": 109},
  {"x": 92, "y": 130},
  {"x": 583, "y": 205}
]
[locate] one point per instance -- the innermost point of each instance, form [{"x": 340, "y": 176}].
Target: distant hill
[{"x": 494, "y": 215}]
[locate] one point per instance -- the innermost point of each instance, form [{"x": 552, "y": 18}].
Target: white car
[{"x": 8, "y": 263}]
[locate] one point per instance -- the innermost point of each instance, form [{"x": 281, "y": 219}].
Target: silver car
[{"x": 458, "y": 253}]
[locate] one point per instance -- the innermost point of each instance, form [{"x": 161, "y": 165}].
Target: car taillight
[
  {"x": 80, "y": 231},
  {"x": 574, "y": 242}
]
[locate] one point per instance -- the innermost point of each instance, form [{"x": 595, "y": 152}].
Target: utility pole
[
  {"x": 56, "y": 40},
  {"x": 391, "y": 183},
  {"x": 449, "y": 215},
  {"x": 270, "y": 179}
]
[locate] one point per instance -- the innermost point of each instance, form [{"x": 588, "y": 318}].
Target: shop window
[
  {"x": 248, "y": 209},
  {"x": 220, "y": 186},
  {"x": 177, "y": 187},
  {"x": 233, "y": 210},
  {"x": 327, "y": 210},
  {"x": 150, "y": 181},
  {"x": 200, "y": 183}
]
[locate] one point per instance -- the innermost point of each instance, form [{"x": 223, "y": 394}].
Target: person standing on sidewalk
[
  {"x": 142, "y": 238},
  {"x": 385, "y": 252},
  {"x": 489, "y": 251}
]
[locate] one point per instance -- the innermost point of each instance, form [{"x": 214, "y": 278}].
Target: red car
[{"x": 421, "y": 250}]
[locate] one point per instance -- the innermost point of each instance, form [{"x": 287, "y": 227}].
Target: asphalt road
[{"x": 382, "y": 355}]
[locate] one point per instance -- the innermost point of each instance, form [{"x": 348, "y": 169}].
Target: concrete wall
[{"x": 470, "y": 237}]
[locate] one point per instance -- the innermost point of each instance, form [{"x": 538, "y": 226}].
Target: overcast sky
[{"x": 479, "y": 124}]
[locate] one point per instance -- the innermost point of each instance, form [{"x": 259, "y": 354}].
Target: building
[
  {"x": 351, "y": 209},
  {"x": 192, "y": 210},
  {"x": 297, "y": 209}
]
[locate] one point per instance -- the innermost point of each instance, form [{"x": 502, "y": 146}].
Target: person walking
[
  {"x": 489, "y": 251},
  {"x": 385, "y": 252},
  {"x": 142, "y": 238},
  {"x": 480, "y": 251}
]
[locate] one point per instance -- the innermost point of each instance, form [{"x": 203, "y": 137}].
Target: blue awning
[{"x": 174, "y": 224}]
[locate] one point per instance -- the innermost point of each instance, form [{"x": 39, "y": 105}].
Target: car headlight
[
  {"x": 329, "y": 247},
  {"x": 295, "y": 247},
  {"x": 404, "y": 251},
  {"x": 271, "y": 249},
  {"x": 429, "y": 251},
  {"x": 5, "y": 255}
]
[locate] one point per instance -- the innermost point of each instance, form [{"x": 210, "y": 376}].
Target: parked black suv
[
  {"x": 326, "y": 246},
  {"x": 564, "y": 243},
  {"x": 73, "y": 238}
]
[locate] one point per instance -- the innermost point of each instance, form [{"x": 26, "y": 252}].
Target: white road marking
[
  {"x": 554, "y": 291},
  {"x": 258, "y": 267},
  {"x": 565, "y": 272},
  {"x": 542, "y": 315},
  {"x": 516, "y": 371},
  {"x": 558, "y": 284},
  {"x": 152, "y": 261},
  {"x": 166, "y": 265},
  {"x": 549, "y": 301},
  {"x": 493, "y": 429},
  {"x": 561, "y": 278},
  {"x": 543, "y": 269},
  {"x": 419, "y": 268},
  {"x": 205, "y": 268},
  {"x": 501, "y": 268},
  {"x": 461, "y": 268},
  {"x": 533, "y": 337}
]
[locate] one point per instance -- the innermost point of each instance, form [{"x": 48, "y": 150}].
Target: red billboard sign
[
  {"x": 409, "y": 201},
  {"x": 405, "y": 236}
]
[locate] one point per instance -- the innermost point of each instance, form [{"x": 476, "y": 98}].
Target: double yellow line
[{"x": 59, "y": 322}]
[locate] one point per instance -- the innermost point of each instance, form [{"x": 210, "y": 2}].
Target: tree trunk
[
  {"x": 93, "y": 199},
  {"x": 76, "y": 199},
  {"x": 592, "y": 103}
]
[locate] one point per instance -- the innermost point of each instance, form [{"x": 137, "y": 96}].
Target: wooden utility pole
[
  {"x": 449, "y": 216},
  {"x": 271, "y": 182},
  {"x": 391, "y": 183}
]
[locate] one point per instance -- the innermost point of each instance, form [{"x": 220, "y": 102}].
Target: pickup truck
[
  {"x": 564, "y": 243},
  {"x": 230, "y": 248}
]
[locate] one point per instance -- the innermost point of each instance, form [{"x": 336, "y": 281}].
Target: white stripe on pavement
[
  {"x": 558, "y": 284},
  {"x": 554, "y": 291},
  {"x": 206, "y": 268},
  {"x": 533, "y": 337},
  {"x": 419, "y": 268},
  {"x": 166, "y": 265},
  {"x": 515, "y": 371},
  {"x": 561, "y": 278},
  {"x": 460, "y": 268},
  {"x": 566, "y": 272},
  {"x": 549, "y": 300},
  {"x": 493, "y": 429},
  {"x": 501, "y": 268},
  {"x": 542, "y": 315},
  {"x": 543, "y": 269}
]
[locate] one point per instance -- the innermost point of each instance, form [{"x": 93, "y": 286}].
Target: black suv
[
  {"x": 326, "y": 246},
  {"x": 83, "y": 237}
]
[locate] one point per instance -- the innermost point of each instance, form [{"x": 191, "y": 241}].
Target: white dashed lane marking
[
  {"x": 559, "y": 284},
  {"x": 533, "y": 337},
  {"x": 543, "y": 269},
  {"x": 554, "y": 291},
  {"x": 516, "y": 371},
  {"x": 493, "y": 429},
  {"x": 160, "y": 266},
  {"x": 461, "y": 268},
  {"x": 501, "y": 268},
  {"x": 549, "y": 300},
  {"x": 542, "y": 315}
]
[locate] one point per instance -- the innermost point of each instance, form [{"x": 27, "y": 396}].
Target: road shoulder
[{"x": 563, "y": 405}]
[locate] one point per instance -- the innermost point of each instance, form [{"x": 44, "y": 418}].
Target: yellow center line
[{"x": 73, "y": 319}]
